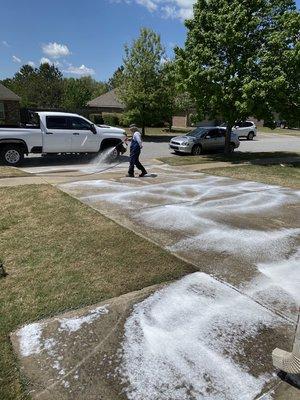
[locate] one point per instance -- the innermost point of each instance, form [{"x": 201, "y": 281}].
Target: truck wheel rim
[{"x": 12, "y": 156}]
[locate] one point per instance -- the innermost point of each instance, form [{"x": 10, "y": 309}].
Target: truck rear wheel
[{"x": 12, "y": 155}]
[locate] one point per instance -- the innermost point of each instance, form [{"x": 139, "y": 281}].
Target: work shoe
[{"x": 143, "y": 174}]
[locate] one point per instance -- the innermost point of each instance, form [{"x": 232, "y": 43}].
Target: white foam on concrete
[
  {"x": 75, "y": 323},
  {"x": 249, "y": 244},
  {"x": 284, "y": 274},
  {"x": 30, "y": 339},
  {"x": 187, "y": 341}
]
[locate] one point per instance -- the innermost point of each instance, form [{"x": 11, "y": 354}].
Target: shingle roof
[
  {"x": 107, "y": 100},
  {"x": 7, "y": 94}
]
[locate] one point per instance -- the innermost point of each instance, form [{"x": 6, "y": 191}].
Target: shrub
[
  {"x": 111, "y": 119},
  {"x": 98, "y": 119}
]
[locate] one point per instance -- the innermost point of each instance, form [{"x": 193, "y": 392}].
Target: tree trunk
[
  {"x": 228, "y": 137},
  {"x": 143, "y": 120},
  {"x": 143, "y": 129}
]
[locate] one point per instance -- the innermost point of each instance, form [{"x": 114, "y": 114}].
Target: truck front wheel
[{"x": 12, "y": 155}]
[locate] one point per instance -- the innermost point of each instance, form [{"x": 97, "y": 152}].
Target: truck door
[
  {"x": 57, "y": 137},
  {"x": 83, "y": 139}
]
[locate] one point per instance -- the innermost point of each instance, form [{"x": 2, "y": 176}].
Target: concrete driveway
[{"x": 207, "y": 336}]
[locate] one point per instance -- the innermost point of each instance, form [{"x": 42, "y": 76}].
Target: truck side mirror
[{"x": 93, "y": 129}]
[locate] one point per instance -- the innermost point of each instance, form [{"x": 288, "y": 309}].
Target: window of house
[{"x": 2, "y": 112}]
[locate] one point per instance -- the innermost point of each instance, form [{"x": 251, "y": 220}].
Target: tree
[
  {"x": 50, "y": 86},
  {"x": 77, "y": 92},
  {"x": 45, "y": 87},
  {"x": 37, "y": 87},
  {"x": 24, "y": 83},
  {"x": 141, "y": 89},
  {"x": 229, "y": 62},
  {"x": 116, "y": 80}
]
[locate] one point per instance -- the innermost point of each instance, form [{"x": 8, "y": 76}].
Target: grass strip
[
  {"x": 233, "y": 158},
  {"x": 11, "y": 172},
  {"x": 282, "y": 174},
  {"x": 59, "y": 255}
]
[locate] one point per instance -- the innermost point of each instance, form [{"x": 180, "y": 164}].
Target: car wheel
[
  {"x": 12, "y": 155},
  {"x": 250, "y": 136},
  {"x": 196, "y": 150}
]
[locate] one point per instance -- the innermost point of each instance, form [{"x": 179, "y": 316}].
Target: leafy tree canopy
[
  {"x": 45, "y": 87},
  {"x": 238, "y": 58},
  {"x": 141, "y": 90}
]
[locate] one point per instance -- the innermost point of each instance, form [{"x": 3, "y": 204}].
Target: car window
[
  {"x": 55, "y": 122},
  {"x": 213, "y": 133},
  {"x": 197, "y": 132},
  {"x": 222, "y": 132},
  {"x": 248, "y": 124},
  {"x": 79, "y": 124}
]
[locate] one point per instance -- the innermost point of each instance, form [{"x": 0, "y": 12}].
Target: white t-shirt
[{"x": 137, "y": 136}]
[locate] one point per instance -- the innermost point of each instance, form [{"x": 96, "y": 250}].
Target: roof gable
[
  {"x": 7, "y": 94},
  {"x": 107, "y": 100}
]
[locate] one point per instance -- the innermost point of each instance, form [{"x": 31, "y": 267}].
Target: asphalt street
[{"x": 262, "y": 143}]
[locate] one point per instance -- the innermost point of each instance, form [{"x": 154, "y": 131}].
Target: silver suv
[
  {"x": 245, "y": 129},
  {"x": 203, "y": 139}
]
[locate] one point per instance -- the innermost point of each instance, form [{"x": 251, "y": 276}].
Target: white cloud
[
  {"x": 4, "y": 42},
  {"x": 149, "y": 4},
  {"x": 174, "y": 9},
  {"x": 45, "y": 60},
  {"x": 31, "y": 63},
  {"x": 16, "y": 60},
  {"x": 82, "y": 70},
  {"x": 55, "y": 50}
]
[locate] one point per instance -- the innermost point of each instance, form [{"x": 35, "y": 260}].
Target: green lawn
[
  {"x": 234, "y": 158},
  {"x": 293, "y": 132},
  {"x": 280, "y": 174},
  {"x": 60, "y": 254},
  {"x": 11, "y": 172},
  {"x": 160, "y": 131}
]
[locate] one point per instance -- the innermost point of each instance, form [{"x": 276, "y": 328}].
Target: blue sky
[{"x": 84, "y": 37}]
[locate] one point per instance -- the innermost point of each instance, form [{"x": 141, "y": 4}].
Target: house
[
  {"x": 9, "y": 107},
  {"x": 107, "y": 103}
]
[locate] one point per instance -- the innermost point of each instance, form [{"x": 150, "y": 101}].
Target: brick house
[
  {"x": 9, "y": 107},
  {"x": 107, "y": 103}
]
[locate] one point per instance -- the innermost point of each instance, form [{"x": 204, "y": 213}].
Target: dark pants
[{"x": 134, "y": 161}]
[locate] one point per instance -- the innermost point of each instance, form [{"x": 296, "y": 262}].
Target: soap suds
[
  {"x": 30, "y": 339},
  {"x": 182, "y": 343},
  {"x": 75, "y": 323}
]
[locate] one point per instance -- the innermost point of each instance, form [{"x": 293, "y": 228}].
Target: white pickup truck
[{"x": 57, "y": 132}]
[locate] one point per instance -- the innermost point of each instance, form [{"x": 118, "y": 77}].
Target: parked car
[
  {"x": 245, "y": 129},
  {"x": 57, "y": 132},
  {"x": 203, "y": 139}
]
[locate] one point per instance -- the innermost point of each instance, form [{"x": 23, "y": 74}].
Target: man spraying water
[{"x": 135, "y": 151}]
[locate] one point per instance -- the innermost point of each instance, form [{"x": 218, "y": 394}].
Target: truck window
[
  {"x": 79, "y": 124},
  {"x": 56, "y": 122}
]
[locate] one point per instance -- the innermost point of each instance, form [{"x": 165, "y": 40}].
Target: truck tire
[
  {"x": 12, "y": 155},
  {"x": 115, "y": 154}
]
